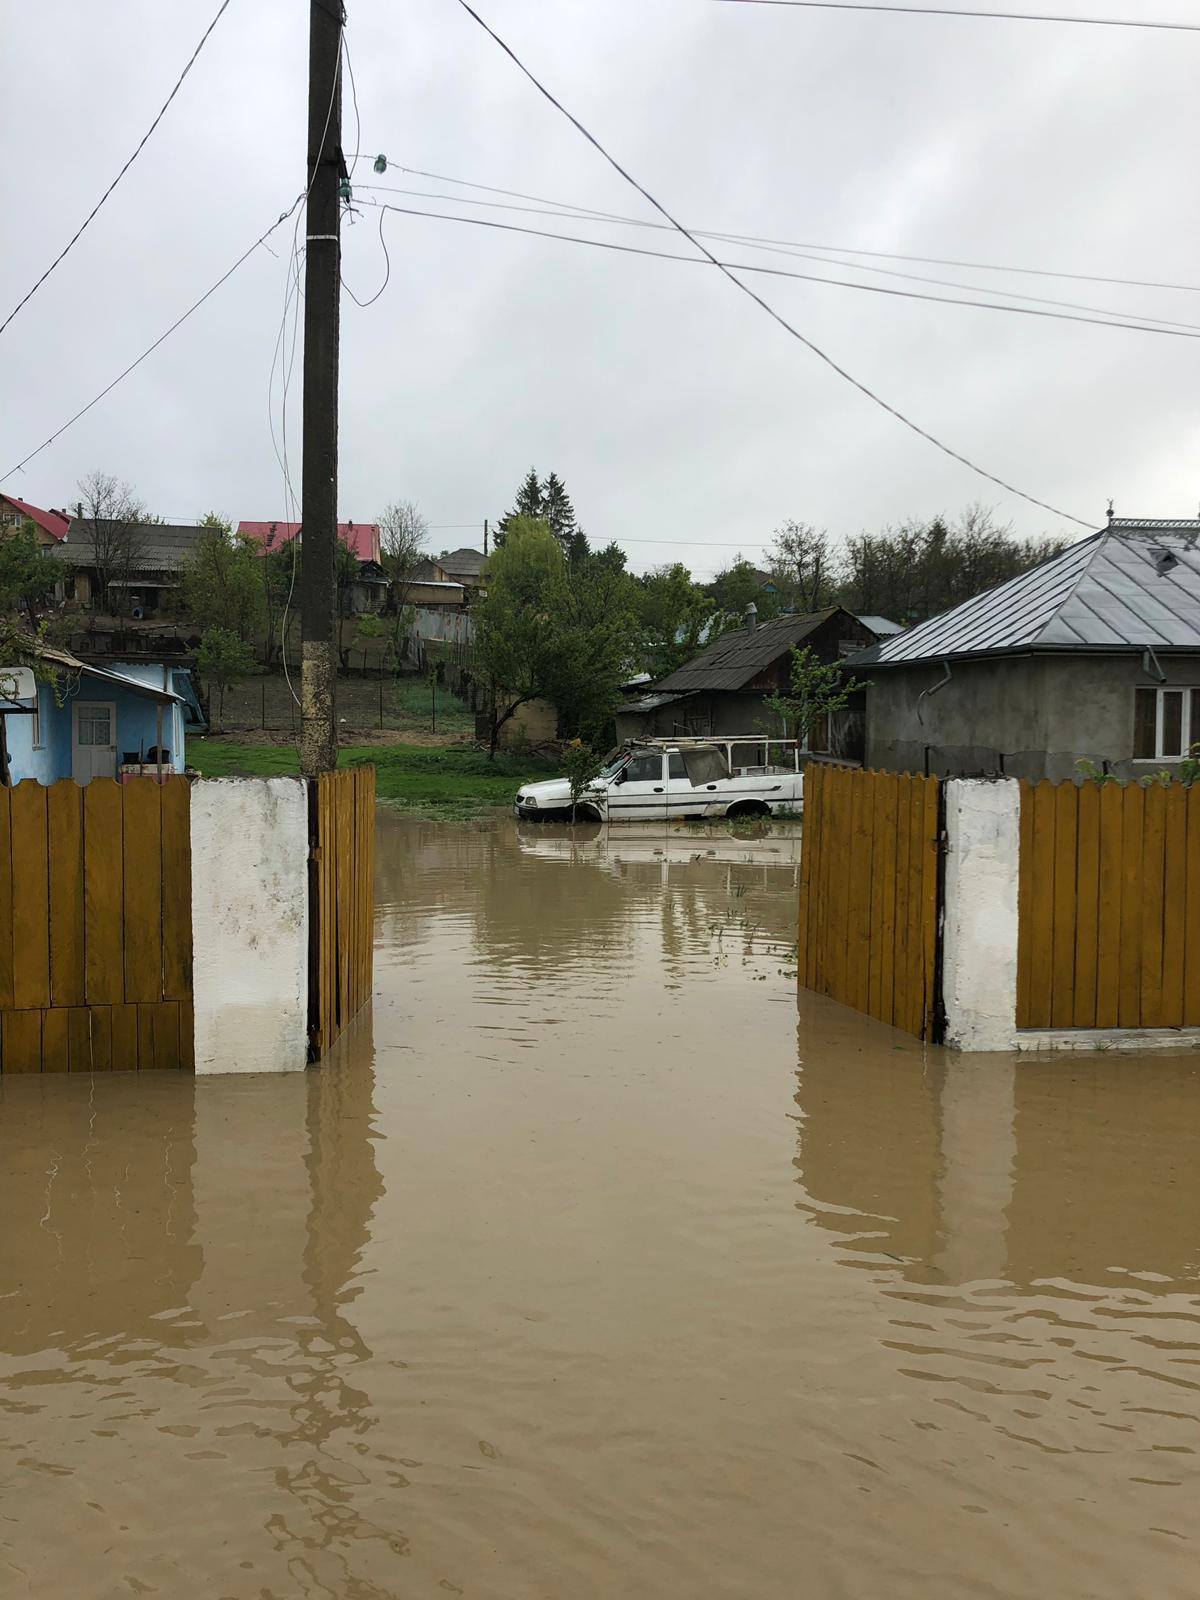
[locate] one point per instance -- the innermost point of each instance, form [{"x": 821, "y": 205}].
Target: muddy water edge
[{"x": 594, "y": 1265}]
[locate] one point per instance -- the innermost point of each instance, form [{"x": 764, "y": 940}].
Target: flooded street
[{"x": 591, "y": 1266}]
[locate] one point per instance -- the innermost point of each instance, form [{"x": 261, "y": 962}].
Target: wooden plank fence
[
  {"x": 342, "y": 920},
  {"x": 1109, "y": 906},
  {"x": 95, "y": 926},
  {"x": 869, "y": 885}
]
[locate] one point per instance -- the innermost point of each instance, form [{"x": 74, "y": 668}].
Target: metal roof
[
  {"x": 883, "y": 626},
  {"x": 737, "y": 657},
  {"x": 1133, "y": 585}
]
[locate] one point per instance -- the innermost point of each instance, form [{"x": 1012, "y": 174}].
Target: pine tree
[{"x": 530, "y": 503}]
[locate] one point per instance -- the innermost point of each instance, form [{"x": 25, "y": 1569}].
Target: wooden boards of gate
[
  {"x": 342, "y": 825},
  {"x": 95, "y": 926},
  {"x": 869, "y": 893},
  {"x": 1109, "y": 906}
]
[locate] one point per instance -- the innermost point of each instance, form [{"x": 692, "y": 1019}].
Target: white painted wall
[
  {"x": 979, "y": 935},
  {"x": 250, "y": 924}
]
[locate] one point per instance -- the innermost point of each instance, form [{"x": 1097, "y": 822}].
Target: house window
[
  {"x": 1166, "y": 723},
  {"x": 94, "y": 723}
]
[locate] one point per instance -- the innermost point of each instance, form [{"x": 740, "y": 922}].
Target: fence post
[{"x": 979, "y": 931}]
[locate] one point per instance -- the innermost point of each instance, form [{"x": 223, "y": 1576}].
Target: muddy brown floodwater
[{"x": 592, "y": 1267}]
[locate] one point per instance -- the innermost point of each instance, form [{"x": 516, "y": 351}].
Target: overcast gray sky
[{"x": 685, "y": 423}]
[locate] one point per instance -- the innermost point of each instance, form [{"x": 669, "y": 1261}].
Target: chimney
[{"x": 751, "y": 617}]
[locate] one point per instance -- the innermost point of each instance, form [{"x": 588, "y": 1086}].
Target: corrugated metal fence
[
  {"x": 869, "y": 885},
  {"x": 95, "y": 926},
  {"x": 1109, "y": 906}
]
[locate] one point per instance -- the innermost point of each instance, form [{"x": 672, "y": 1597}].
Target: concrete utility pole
[{"x": 322, "y": 290}]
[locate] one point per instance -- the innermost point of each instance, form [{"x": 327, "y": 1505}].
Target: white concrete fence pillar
[
  {"x": 250, "y": 924},
  {"x": 979, "y": 932}
]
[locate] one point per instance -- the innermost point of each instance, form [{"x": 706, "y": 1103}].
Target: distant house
[
  {"x": 93, "y": 722},
  {"x": 724, "y": 688},
  {"x": 464, "y": 566},
  {"x": 369, "y": 591},
  {"x": 362, "y": 537},
  {"x": 1095, "y": 653},
  {"x": 49, "y": 526},
  {"x": 139, "y": 568},
  {"x": 430, "y": 587}
]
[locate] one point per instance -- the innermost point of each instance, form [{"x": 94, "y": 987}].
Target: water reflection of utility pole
[{"x": 976, "y": 1172}]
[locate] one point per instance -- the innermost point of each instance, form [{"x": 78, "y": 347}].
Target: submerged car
[{"x": 671, "y": 780}]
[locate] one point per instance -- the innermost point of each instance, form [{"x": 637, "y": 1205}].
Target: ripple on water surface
[{"x": 590, "y": 1265}]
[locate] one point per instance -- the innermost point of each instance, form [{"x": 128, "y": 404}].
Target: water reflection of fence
[
  {"x": 95, "y": 926},
  {"x": 342, "y": 900},
  {"x": 1109, "y": 906},
  {"x": 869, "y": 893}
]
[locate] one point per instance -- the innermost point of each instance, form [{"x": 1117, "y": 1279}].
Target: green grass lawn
[{"x": 450, "y": 783}]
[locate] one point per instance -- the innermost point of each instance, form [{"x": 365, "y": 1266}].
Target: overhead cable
[
  {"x": 801, "y": 244},
  {"x": 959, "y": 11},
  {"x": 800, "y": 255},
  {"x": 807, "y": 277},
  {"x": 757, "y": 298},
  {"x": 137, "y": 152},
  {"x": 150, "y": 349}
]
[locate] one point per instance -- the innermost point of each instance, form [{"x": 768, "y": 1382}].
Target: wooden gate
[
  {"x": 868, "y": 931},
  {"x": 342, "y": 920},
  {"x": 1109, "y": 906},
  {"x": 95, "y": 926}
]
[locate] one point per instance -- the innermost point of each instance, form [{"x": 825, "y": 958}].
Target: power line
[
  {"x": 806, "y": 277},
  {"x": 758, "y": 300},
  {"x": 956, "y": 11},
  {"x": 800, "y": 244},
  {"x": 585, "y": 215},
  {"x": 137, "y": 152},
  {"x": 149, "y": 350}
]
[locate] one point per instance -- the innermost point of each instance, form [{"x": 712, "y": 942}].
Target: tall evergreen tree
[
  {"x": 547, "y": 500},
  {"x": 528, "y": 504}
]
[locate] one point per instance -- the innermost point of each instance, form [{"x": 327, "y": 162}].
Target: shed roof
[
  {"x": 70, "y": 663},
  {"x": 736, "y": 657},
  {"x": 159, "y": 546},
  {"x": 1133, "y": 585},
  {"x": 883, "y": 626}
]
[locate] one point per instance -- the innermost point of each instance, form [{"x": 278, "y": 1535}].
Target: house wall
[
  {"x": 1041, "y": 713},
  {"x": 137, "y": 727}
]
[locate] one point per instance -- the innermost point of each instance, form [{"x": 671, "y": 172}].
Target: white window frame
[
  {"x": 1187, "y": 690},
  {"x": 35, "y": 722}
]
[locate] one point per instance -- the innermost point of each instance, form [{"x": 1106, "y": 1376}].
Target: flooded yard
[{"x": 593, "y": 1264}]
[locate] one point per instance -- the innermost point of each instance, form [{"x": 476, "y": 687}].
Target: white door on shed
[{"x": 93, "y": 740}]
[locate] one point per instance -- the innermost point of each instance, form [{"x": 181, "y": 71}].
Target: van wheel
[
  {"x": 585, "y": 813},
  {"x": 748, "y": 808}
]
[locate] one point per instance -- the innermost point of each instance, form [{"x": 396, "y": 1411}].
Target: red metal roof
[
  {"x": 50, "y": 521},
  {"x": 362, "y": 537}
]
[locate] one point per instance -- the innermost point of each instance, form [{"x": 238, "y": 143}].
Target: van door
[
  {"x": 640, "y": 792},
  {"x": 682, "y": 799}
]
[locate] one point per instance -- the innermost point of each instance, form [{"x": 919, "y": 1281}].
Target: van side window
[
  {"x": 675, "y": 766},
  {"x": 644, "y": 769}
]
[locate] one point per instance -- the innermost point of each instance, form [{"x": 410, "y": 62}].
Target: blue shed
[{"x": 92, "y": 722}]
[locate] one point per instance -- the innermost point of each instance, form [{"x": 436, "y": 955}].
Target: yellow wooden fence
[
  {"x": 95, "y": 926},
  {"x": 342, "y": 921},
  {"x": 868, "y": 930},
  {"x": 1109, "y": 906}
]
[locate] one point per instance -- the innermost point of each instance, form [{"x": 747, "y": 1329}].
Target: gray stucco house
[
  {"x": 1095, "y": 653},
  {"x": 722, "y": 690}
]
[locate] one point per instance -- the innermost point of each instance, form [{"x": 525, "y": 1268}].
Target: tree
[
  {"x": 221, "y": 658},
  {"x": 816, "y": 691},
  {"x": 735, "y": 589},
  {"x": 403, "y": 532},
  {"x": 547, "y": 500},
  {"x": 113, "y": 520},
  {"x": 916, "y": 570},
  {"x": 223, "y": 584},
  {"x": 673, "y": 612},
  {"x": 802, "y": 566},
  {"x": 27, "y": 574},
  {"x": 545, "y": 632}
]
